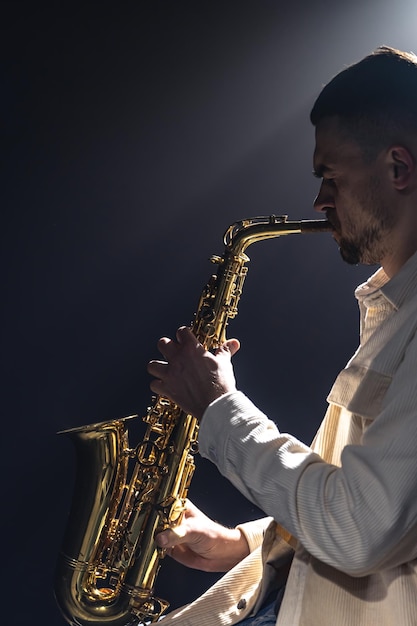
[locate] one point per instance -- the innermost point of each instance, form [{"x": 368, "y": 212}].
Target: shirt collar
[{"x": 395, "y": 290}]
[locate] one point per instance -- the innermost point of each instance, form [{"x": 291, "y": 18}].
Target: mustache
[{"x": 334, "y": 222}]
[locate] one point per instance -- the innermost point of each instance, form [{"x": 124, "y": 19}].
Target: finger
[
  {"x": 184, "y": 334},
  {"x": 171, "y": 537},
  {"x": 186, "y": 337},
  {"x": 230, "y": 346},
  {"x": 157, "y": 368},
  {"x": 167, "y": 347},
  {"x": 190, "y": 509},
  {"x": 157, "y": 387},
  {"x": 185, "y": 556},
  {"x": 181, "y": 533}
]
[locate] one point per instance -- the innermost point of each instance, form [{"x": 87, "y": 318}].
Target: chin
[{"x": 349, "y": 252}]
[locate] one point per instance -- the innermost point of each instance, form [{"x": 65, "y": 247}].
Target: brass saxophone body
[{"x": 123, "y": 496}]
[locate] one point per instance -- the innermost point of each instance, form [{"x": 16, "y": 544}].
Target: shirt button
[{"x": 241, "y": 604}]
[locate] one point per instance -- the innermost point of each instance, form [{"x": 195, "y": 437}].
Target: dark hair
[{"x": 374, "y": 99}]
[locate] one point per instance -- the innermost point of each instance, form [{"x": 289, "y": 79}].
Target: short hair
[{"x": 374, "y": 99}]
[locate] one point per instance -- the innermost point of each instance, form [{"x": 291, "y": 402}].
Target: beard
[
  {"x": 368, "y": 238},
  {"x": 349, "y": 252},
  {"x": 369, "y": 246}
]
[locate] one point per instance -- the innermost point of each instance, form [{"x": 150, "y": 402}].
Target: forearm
[{"x": 348, "y": 517}]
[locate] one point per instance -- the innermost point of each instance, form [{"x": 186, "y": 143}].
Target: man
[{"x": 348, "y": 503}]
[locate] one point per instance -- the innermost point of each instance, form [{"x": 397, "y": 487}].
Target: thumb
[{"x": 231, "y": 346}]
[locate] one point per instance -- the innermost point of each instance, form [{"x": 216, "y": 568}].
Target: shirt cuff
[{"x": 254, "y": 531}]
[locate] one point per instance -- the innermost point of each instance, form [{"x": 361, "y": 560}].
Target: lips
[
  {"x": 332, "y": 222},
  {"x": 336, "y": 228}
]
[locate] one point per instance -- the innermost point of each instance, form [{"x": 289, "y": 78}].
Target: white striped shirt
[{"x": 350, "y": 499}]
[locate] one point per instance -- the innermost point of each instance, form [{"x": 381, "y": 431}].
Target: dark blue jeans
[{"x": 267, "y": 615}]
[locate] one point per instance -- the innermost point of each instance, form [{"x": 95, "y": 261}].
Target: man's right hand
[{"x": 200, "y": 543}]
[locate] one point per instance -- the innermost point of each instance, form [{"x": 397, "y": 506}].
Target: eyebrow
[{"x": 320, "y": 170}]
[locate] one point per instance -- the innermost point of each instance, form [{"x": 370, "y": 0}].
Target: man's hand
[
  {"x": 202, "y": 544},
  {"x": 191, "y": 376}
]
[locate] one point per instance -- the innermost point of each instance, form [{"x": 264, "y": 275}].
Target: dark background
[{"x": 134, "y": 133}]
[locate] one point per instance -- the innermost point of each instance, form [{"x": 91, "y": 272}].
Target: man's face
[{"x": 353, "y": 194}]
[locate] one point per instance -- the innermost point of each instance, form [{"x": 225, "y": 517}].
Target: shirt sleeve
[
  {"x": 360, "y": 517},
  {"x": 254, "y": 531}
]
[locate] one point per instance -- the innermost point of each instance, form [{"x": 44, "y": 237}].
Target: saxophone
[{"x": 123, "y": 496}]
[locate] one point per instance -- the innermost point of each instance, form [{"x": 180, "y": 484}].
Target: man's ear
[{"x": 402, "y": 167}]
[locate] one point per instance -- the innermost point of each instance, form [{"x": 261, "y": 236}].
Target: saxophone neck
[{"x": 242, "y": 234}]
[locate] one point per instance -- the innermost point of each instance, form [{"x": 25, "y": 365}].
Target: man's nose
[{"x": 324, "y": 200}]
